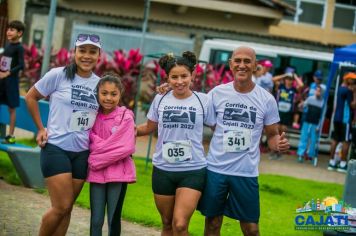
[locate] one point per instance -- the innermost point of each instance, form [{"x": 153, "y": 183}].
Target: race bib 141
[{"x": 82, "y": 120}]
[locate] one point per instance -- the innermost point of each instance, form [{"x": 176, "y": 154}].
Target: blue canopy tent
[{"x": 341, "y": 55}]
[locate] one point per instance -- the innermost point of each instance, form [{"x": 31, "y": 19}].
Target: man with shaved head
[{"x": 242, "y": 110}]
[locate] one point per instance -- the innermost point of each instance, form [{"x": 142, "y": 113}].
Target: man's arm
[
  {"x": 146, "y": 128},
  {"x": 163, "y": 88},
  {"x": 276, "y": 142},
  {"x": 299, "y": 81}
]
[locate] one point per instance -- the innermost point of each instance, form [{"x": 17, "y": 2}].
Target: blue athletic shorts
[
  {"x": 233, "y": 196},
  {"x": 55, "y": 160}
]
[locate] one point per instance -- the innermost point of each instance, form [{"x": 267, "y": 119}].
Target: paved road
[{"x": 21, "y": 210}]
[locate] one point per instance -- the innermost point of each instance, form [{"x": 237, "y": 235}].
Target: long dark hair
[{"x": 70, "y": 70}]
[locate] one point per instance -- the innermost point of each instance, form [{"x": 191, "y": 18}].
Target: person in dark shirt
[
  {"x": 310, "y": 129},
  {"x": 289, "y": 84},
  {"x": 12, "y": 61},
  {"x": 342, "y": 123}
]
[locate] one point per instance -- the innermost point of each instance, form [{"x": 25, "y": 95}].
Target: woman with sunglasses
[{"x": 65, "y": 140}]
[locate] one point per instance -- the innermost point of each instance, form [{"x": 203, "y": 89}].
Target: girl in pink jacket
[{"x": 112, "y": 142}]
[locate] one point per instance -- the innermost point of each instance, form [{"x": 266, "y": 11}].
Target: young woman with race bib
[
  {"x": 179, "y": 162},
  {"x": 65, "y": 141}
]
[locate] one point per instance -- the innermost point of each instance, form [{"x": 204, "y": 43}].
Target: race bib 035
[{"x": 177, "y": 151}]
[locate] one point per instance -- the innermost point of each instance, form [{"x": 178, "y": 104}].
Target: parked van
[{"x": 218, "y": 52}]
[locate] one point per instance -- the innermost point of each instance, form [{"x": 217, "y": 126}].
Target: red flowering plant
[
  {"x": 127, "y": 66},
  {"x": 62, "y": 58},
  {"x": 105, "y": 65},
  {"x": 152, "y": 75},
  {"x": 33, "y": 62},
  {"x": 207, "y": 76}
]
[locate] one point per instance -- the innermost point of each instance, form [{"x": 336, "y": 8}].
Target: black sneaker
[
  {"x": 332, "y": 167},
  {"x": 341, "y": 169},
  {"x": 9, "y": 139}
]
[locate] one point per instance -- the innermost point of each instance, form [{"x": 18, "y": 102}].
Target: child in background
[
  {"x": 310, "y": 129},
  {"x": 12, "y": 61},
  {"x": 286, "y": 99},
  {"x": 112, "y": 142},
  {"x": 289, "y": 85}
]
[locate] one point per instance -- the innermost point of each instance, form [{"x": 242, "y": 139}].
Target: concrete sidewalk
[{"x": 21, "y": 210}]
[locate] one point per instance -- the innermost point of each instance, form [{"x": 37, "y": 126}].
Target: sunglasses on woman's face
[{"x": 92, "y": 37}]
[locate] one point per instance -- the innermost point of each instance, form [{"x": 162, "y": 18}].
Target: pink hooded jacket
[{"x": 112, "y": 142}]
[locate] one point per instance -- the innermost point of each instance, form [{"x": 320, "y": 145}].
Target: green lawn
[{"x": 280, "y": 195}]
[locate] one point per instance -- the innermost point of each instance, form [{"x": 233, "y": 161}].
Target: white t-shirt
[
  {"x": 240, "y": 118},
  {"x": 72, "y": 108},
  {"x": 180, "y": 131}
]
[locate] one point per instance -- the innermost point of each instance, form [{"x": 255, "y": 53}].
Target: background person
[
  {"x": 310, "y": 129},
  {"x": 242, "y": 111},
  {"x": 65, "y": 142},
  {"x": 265, "y": 79},
  {"x": 12, "y": 61},
  {"x": 112, "y": 142},
  {"x": 342, "y": 122},
  {"x": 257, "y": 73},
  {"x": 289, "y": 86},
  {"x": 179, "y": 163},
  {"x": 353, "y": 129},
  {"x": 318, "y": 81}
]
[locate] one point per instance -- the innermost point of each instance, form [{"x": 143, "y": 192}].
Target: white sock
[{"x": 332, "y": 162}]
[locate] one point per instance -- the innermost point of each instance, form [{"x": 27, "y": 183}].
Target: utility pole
[
  {"x": 142, "y": 45},
  {"x": 145, "y": 23},
  {"x": 49, "y": 37}
]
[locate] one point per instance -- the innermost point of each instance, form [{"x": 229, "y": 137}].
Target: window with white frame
[
  {"x": 308, "y": 11},
  {"x": 345, "y": 15}
]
